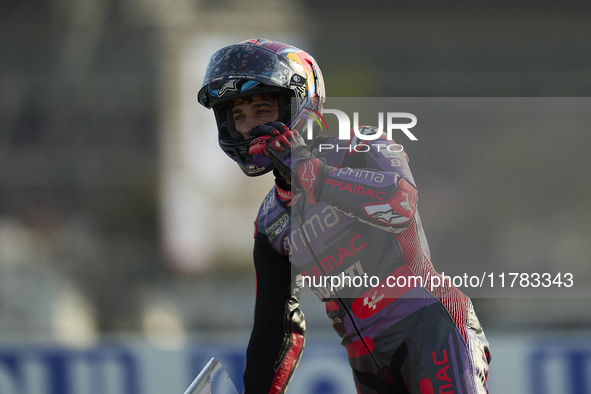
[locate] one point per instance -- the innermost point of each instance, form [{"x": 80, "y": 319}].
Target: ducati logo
[{"x": 229, "y": 86}]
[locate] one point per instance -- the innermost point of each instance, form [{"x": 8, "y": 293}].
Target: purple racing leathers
[{"x": 360, "y": 246}]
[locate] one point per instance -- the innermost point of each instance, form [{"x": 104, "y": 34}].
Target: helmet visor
[{"x": 244, "y": 62}]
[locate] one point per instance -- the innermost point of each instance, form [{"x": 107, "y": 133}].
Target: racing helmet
[{"x": 256, "y": 67}]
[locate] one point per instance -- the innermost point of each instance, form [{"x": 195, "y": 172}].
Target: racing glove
[{"x": 288, "y": 152}]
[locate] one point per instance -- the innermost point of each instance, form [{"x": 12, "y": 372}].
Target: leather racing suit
[{"x": 401, "y": 336}]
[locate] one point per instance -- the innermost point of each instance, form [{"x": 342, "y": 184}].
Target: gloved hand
[
  {"x": 285, "y": 147},
  {"x": 288, "y": 151}
]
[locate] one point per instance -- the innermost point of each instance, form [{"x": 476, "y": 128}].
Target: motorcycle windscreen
[{"x": 213, "y": 379}]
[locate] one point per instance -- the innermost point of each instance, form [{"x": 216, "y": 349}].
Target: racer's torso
[{"x": 368, "y": 243}]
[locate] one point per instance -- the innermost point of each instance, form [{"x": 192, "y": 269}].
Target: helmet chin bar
[
  {"x": 250, "y": 165},
  {"x": 237, "y": 150}
]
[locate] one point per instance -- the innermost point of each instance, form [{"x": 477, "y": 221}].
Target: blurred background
[{"x": 126, "y": 234}]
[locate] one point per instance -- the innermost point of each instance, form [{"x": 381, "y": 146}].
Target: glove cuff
[{"x": 310, "y": 176}]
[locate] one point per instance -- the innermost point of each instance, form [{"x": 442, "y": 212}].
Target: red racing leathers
[{"x": 404, "y": 336}]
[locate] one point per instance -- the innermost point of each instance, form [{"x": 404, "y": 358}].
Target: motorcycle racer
[{"x": 342, "y": 214}]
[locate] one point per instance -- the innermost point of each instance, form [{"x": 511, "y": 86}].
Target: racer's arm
[
  {"x": 277, "y": 337},
  {"x": 379, "y": 190},
  {"x": 374, "y": 185}
]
